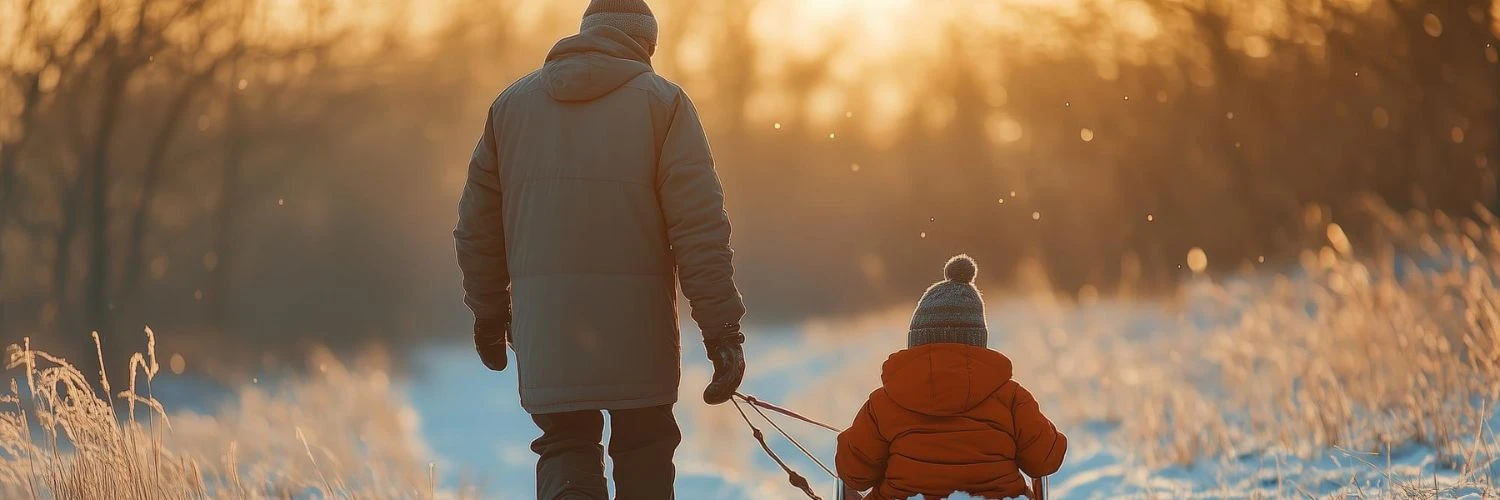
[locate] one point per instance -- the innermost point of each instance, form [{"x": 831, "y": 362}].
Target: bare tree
[
  {"x": 196, "y": 78},
  {"x": 38, "y": 38}
]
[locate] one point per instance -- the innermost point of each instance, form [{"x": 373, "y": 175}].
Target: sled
[
  {"x": 1038, "y": 489},
  {"x": 847, "y": 493}
]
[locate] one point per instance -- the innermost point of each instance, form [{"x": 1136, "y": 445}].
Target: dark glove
[
  {"x": 728, "y": 357},
  {"x": 490, "y": 338}
]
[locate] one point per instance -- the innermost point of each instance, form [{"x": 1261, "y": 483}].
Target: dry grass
[
  {"x": 1362, "y": 350},
  {"x": 340, "y": 433},
  {"x": 1357, "y": 354},
  {"x": 1358, "y": 350}
]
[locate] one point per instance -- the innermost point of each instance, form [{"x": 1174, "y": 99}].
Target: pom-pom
[{"x": 961, "y": 268}]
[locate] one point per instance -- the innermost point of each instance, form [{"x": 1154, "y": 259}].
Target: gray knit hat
[
  {"x": 951, "y": 311},
  {"x": 631, "y": 16}
]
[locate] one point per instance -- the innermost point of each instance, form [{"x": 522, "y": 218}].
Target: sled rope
[
  {"x": 792, "y": 476},
  {"x": 793, "y": 440},
  {"x": 757, "y": 402}
]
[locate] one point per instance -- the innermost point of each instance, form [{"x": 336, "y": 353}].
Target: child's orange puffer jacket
[{"x": 949, "y": 418}]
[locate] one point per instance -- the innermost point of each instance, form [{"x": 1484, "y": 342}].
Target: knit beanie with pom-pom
[{"x": 951, "y": 311}]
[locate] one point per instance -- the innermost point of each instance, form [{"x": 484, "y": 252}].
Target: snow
[{"x": 825, "y": 369}]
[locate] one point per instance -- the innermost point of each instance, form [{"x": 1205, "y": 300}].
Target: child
[{"x": 948, "y": 418}]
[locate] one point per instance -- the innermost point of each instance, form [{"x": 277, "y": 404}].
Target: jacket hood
[
  {"x": 944, "y": 379},
  {"x": 593, "y": 63}
]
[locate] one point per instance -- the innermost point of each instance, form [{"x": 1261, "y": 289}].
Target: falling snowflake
[
  {"x": 1197, "y": 260},
  {"x": 776, "y": 125},
  {"x": 1087, "y": 134},
  {"x": 854, "y": 167},
  {"x": 1002, "y": 201},
  {"x": 1432, "y": 25},
  {"x": 1036, "y": 216},
  {"x": 832, "y": 135},
  {"x": 848, "y": 114},
  {"x": 924, "y": 234},
  {"x": 281, "y": 202},
  {"x": 1150, "y": 218}
]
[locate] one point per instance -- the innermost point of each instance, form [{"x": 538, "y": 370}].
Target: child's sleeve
[
  {"x": 1039, "y": 446},
  {"x": 862, "y": 452}
]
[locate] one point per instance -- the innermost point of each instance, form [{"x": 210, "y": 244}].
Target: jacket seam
[
  {"x": 534, "y": 87},
  {"x": 870, "y": 411},
  {"x": 968, "y": 379},
  {"x": 514, "y": 277},
  {"x": 1015, "y": 424},
  {"x": 964, "y": 464},
  {"x": 580, "y": 178},
  {"x": 528, "y": 92},
  {"x": 643, "y": 88},
  {"x": 1047, "y": 460},
  {"x": 987, "y": 425}
]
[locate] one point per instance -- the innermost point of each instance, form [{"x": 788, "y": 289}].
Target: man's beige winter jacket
[{"x": 590, "y": 196}]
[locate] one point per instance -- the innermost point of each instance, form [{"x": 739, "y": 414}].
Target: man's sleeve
[
  {"x": 480, "y": 235},
  {"x": 692, "y": 204},
  {"x": 862, "y": 452},
  {"x": 1039, "y": 446}
]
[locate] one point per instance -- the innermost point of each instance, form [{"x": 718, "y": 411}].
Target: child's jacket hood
[{"x": 944, "y": 379}]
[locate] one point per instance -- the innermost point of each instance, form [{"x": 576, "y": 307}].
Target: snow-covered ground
[
  {"x": 471, "y": 419},
  {"x": 1340, "y": 378},
  {"x": 1330, "y": 380}
]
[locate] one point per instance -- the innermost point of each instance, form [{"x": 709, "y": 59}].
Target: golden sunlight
[
  {"x": 1273, "y": 221},
  {"x": 879, "y": 46}
]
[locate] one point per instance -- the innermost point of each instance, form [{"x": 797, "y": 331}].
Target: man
[{"x": 590, "y": 195}]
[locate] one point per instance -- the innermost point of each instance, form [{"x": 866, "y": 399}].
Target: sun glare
[
  {"x": 806, "y": 26},
  {"x": 878, "y": 46}
]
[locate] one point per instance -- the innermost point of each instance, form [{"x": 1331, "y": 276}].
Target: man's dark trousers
[{"x": 571, "y": 457}]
